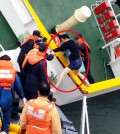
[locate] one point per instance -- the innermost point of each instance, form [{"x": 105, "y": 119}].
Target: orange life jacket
[
  {"x": 117, "y": 51},
  {"x": 7, "y": 74},
  {"x": 82, "y": 41},
  {"x": 33, "y": 57},
  {"x": 37, "y": 118},
  {"x": 31, "y": 37}
]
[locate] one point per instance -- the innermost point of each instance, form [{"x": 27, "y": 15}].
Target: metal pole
[
  {"x": 87, "y": 121},
  {"x": 84, "y": 117}
]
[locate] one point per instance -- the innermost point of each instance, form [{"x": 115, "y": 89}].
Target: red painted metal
[
  {"x": 112, "y": 35},
  {"x": 106, "y": 16},
  {"x": 102, "y": 7},
  {"x": 110, "y": 25}
]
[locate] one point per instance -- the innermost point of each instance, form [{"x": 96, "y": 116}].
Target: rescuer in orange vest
[
  {"x": 40, "y": 116},
  {"x": 82, "y": 46},
  {"x": 27, "y": 45},
  {"x": 8, "y": 80},
  {"x": 33, "y": 67}
]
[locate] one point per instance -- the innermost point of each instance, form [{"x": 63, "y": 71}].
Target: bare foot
[{"x": 87, "y": 83}]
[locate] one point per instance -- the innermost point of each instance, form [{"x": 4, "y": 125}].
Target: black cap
[
  {"x": 5, "y": 57},
  {"x": 78, "y": 37},
  {"x": 37, "y": 33}
]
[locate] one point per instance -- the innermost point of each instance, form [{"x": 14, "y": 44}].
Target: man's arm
[
  {"x": 55, "y": 120},
  {"x": 23, "y": 119},
  {"x": 63, "y": 47}
]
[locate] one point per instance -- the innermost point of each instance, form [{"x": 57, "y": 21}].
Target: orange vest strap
[
  {"x": 33, "y": 57},
  {"x": 7, "y": 74},
  {"x": 31, "y": 37}
]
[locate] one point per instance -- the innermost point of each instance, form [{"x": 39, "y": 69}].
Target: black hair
[
  {"x": 36, "y": 33},
  {"x": 80, "y": 35},
  {"x": 42, "y": 46},
  {"x": 64, "y": 36},
  {"x": 5, "y": 57},
  {"x": 44, "y": 88}
]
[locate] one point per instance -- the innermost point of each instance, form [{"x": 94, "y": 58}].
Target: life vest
[
  {"x": 7, "y": 74},
  {"x": 31, "y": 37},
  {"x": 82, "y": 41},
  {"x": 33, "y": 57},
  {"x": 117, "y": 51},
  {"x": 37, "y": 118}
]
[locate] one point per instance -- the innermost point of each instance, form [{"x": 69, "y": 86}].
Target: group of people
[{"x": 39, "y": 114}]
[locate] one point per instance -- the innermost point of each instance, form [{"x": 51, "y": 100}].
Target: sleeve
[
  {"x": 55, "y": 120},
  {"x": 30, "y": 45},
  {"x": 41, "y": 71},
  {"x": 49, "y": 57},
  {"x": 23, "y": 118},
  {"x": 18, "y": 87},
  {"x": 63, "y": 47}
]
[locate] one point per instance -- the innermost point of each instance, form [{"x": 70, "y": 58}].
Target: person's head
[
  {"x": 78, "y": 39},
  {"x": 5, "y": 57},
  {"x": 64, "y": 38},
  {"x": 36, "y": 34},
  {"x": 42, "y": 46},
  {"x": 44, "y": 89}
]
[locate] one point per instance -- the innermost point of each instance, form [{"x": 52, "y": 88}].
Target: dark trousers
[
  {"x": 87, "y": 67},
  {"x": 5, "y": 104}
]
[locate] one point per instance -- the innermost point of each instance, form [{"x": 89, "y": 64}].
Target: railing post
[{"x": 84, "y": 117}]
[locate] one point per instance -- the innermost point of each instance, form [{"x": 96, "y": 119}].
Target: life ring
[
  {"x": 13, "y": 129},
  {"x": 56, "y": 39}
]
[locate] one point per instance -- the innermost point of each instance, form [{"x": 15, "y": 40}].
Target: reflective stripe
[
  {"x": 8, "y": 76},
  {"x": 30, "y": 107},
  {"x": 4, "y": 71},
  {"x": 40, "y": 127},
  {"x": 50, "y": 106},
  {"x": 41, "y": 111}
]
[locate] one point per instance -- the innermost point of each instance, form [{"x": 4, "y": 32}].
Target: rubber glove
[
  {"x": 24, "y": 100},
  {"x": 52, "y": 90}
]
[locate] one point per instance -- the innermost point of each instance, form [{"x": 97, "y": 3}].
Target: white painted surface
[
  {"x": 17, "y": 16},
  {"x": 22, "y": 11},
  {"x": 115, "y": 66}
]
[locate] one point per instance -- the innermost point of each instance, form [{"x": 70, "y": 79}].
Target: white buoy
[{"x": 80, "y": 15}]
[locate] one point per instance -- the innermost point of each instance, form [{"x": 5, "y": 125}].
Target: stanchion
[{"x": 84, "y": 127}]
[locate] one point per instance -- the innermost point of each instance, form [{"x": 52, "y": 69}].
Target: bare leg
[
  {"x": 65, "y": 71},
  {"x": 82, "y": 77}
]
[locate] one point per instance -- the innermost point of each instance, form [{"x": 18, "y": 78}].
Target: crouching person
[
  {"x": 8, "y": 79},
  {"x": 40, "y": 116}
]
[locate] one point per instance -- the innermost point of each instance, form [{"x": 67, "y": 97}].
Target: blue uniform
[{"x": 6, "y": 101}]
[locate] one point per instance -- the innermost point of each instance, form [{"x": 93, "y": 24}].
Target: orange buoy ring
[{"x": 56, "y": 40}]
